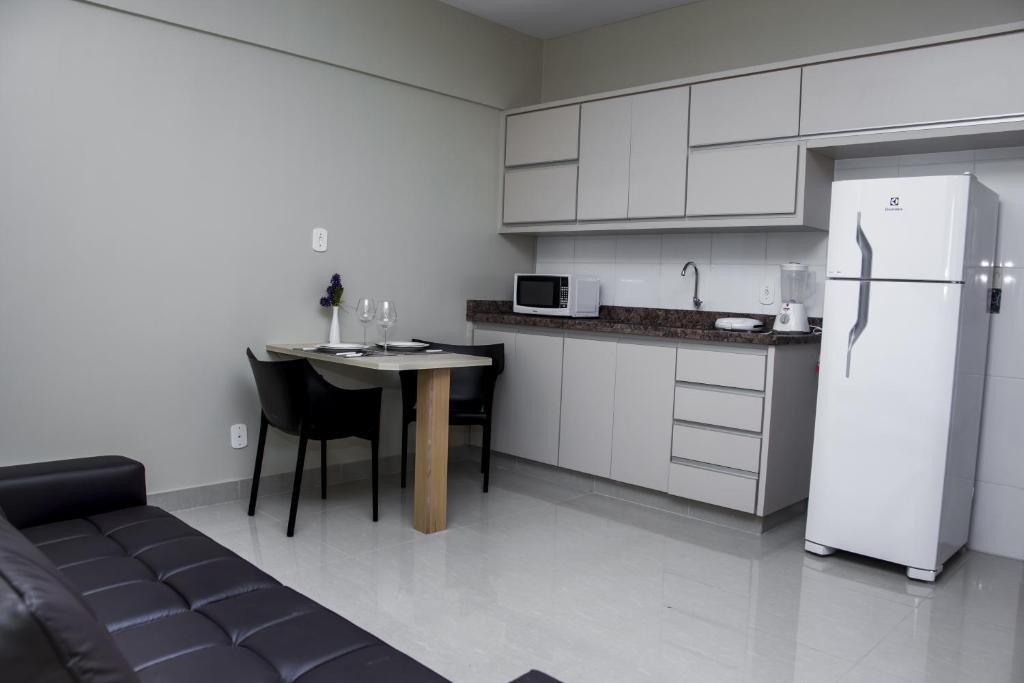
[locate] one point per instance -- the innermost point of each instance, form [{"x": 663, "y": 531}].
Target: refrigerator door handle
[
  {"x": 864, "y": 294},
  {"x": 863, "y": 302},
  {"x": 866, "y": 252}
]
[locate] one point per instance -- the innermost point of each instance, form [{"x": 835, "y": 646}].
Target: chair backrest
[
  {"x": 281, "y": 386},
  {"x": 471, "y": 385}
]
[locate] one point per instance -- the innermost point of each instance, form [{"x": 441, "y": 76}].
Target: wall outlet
[
  {"x": 767, "y": 292},
  {"x": 239, "y": 436},
  {"x": 319, "y": 239}
]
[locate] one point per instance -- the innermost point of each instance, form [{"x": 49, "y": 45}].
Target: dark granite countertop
[{"x": 666, "y": 323}]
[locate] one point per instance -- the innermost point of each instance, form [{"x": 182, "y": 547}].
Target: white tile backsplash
[
  {"x": 1005, "y": 358},
  {"x": 678, "y": 249},
  {"x": 594, "y": 249},
  {"x": 638, "y": 249},
  {"x": 739, "y": 248},
  {"x": 803, "y": 247},
  {"x": 1001, "y": 460},
  {"x": 554, "y": 249},
  {"x": 995, "y": 522},
  {"x": 636, "y": 284}
]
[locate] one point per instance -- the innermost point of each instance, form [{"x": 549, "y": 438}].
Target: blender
[{"x": 795, "y": 280}]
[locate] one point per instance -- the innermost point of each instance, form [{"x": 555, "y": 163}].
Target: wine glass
[
  {"x": 366, "y": 309},
  {"x": 387, "y": 316}
]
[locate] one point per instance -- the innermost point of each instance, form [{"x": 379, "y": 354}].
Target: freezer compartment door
[
  {"x": 883, "y": 417},
  {"x": 915, "y": 228}
]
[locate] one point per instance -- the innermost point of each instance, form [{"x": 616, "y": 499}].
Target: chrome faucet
[{"x": 696, "y": 283}]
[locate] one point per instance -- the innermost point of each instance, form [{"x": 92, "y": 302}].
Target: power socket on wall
[
  {"x": 239, "y": 436},
  {"x": 766, "y": 294}
]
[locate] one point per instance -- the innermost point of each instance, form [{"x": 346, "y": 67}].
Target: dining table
[{"x": 433, "y": 386}]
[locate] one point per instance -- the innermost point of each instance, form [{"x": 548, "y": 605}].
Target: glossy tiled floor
[{"x": 590, "y": 588}]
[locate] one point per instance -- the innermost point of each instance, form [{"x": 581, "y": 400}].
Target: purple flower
[{"x": 333, "y": 292}]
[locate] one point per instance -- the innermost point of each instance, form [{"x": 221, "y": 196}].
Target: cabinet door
[
  {"x": 539, "y": 137},
  {"x": 503, "y": 427},
  {"x": 642, "y": 432},
  {"x": 657, "y": 153},
  {"x": 588, "y": 388},
  {"x": 538, "y": 395},
  {"x": 540, "y": 195},
  {"x": 755, "y": 107},
  {"x": 759, "y": 179},
  {"x": 604, "y": 159},
  {"x": 955, "y": 81}
]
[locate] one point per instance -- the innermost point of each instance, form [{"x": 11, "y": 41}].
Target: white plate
[
  {"x": 343, "y": 346},
  {"x": 404, "y": 345}
]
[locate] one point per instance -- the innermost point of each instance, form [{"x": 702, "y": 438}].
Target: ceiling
[{"x": 552, "y": 18}]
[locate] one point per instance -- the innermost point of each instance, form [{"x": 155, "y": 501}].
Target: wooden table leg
[{"x": 431, "y": 492}]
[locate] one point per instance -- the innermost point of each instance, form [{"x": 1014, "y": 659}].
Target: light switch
[
  {"x": 319, "y": 239},
  {"x": 239, "y": 436}
]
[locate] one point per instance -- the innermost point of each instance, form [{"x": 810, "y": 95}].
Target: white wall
[
  {"x": 644, "y": 270},
  {"x": 420, "y": 42},
  {"x": 705, "y": 37},
  {"x": 157, "y": 191}
]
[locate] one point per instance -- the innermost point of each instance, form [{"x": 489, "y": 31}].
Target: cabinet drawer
[
  {"x": 540, "y": 195},
  {"x": 540, "y": 137},
  {"x": 713, "y": 486},
  {"x": 754, "y": 107},
  {"x": 738, "y": 451},
  {"x": 722, "y": 408},
  {"x": 756, "y": 179},
  {"x": 741, "y": 370},
  {"x": 915, "y": 86}
]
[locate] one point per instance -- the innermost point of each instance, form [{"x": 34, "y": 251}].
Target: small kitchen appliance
[
  {"x": 738, "y": 324},
  {"x": 563, "y": 295},
  {"x": 796, "y": 280}
]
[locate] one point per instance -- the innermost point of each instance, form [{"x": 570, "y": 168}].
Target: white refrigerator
[{"x": 907, "y": 308}]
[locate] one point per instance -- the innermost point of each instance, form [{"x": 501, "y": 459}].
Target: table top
[{"x": 389, "y": 363}]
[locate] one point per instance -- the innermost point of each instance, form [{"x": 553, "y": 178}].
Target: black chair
[
  {"x": 471, "y": 401},
  {"x": 298, "y": 401}
]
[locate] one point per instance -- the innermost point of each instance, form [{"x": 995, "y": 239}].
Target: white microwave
[{"x": 565, "y": 295}]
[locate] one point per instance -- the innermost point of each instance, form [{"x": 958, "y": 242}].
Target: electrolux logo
[{"x": 894, "y": 204}]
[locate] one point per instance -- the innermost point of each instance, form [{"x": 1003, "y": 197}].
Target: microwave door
[{"x": 539, "y": 291}]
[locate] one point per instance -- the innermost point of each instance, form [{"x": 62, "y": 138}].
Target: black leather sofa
[{"x": 98, "y": 587}]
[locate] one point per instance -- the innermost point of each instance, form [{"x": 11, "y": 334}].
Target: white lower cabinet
[
  {"x": 684, "y": 418},
  {"x": 503, "y": 426},
  {"x": 734, "y": 490},
  {"x": 538, "y": 395},
  {"x": 588, "y": 393},
  {"x": 642, "y": 424},
  {"x": 528, "y": 394}
]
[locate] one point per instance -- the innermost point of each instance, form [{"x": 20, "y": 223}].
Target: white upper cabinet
[
  {"x": 657, "y": 157},
  {"x": 544, "y": 136},
  {"x": 748, "y": 180},
  {"x": 756, "y": 107},
  {"x": 949, "y": 82},
  {"x": 539, "y": 195},
  {"x": 604, "y": 159}
]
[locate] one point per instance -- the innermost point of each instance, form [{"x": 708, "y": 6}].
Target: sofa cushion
[
  {"x": 47, "y": 633},
  {"x": 181, "y": 607}
]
